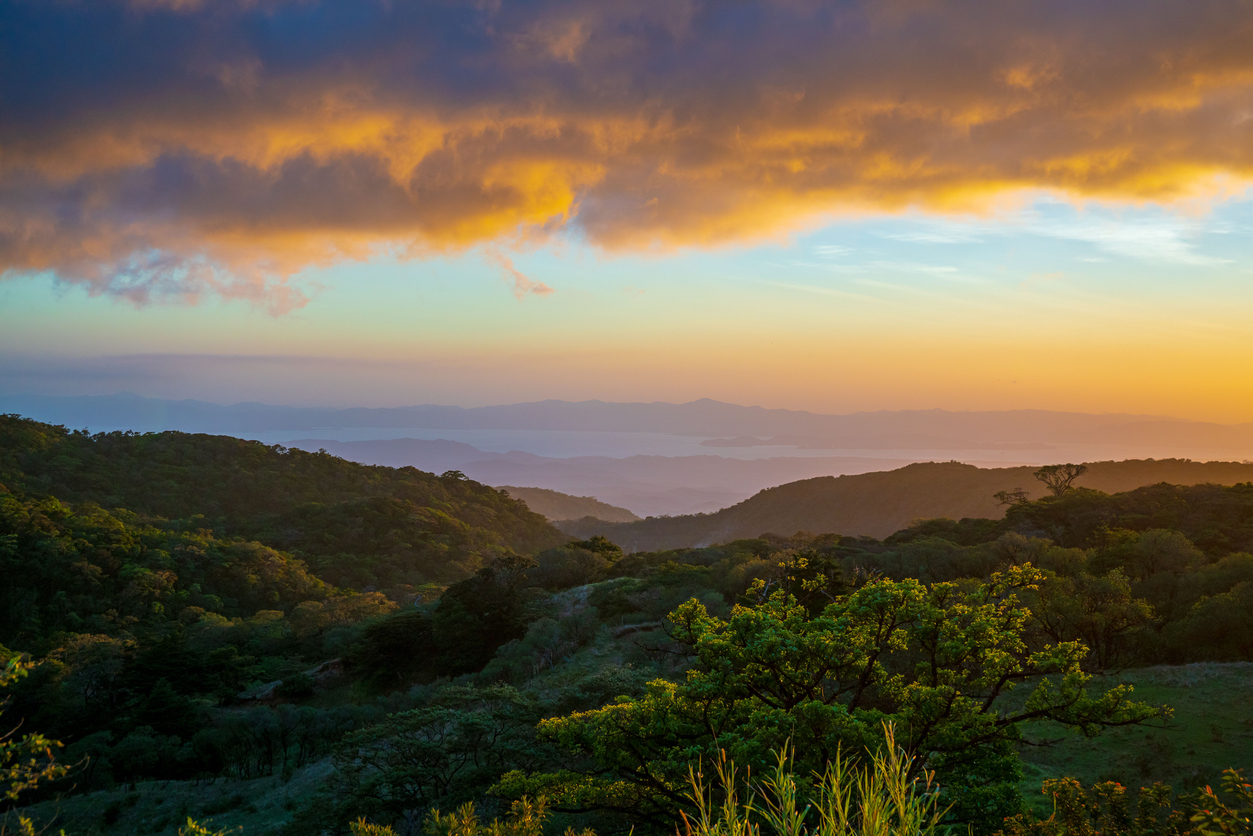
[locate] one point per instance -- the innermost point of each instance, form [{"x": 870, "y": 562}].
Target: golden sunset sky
[{"x": 831, "y": 206}]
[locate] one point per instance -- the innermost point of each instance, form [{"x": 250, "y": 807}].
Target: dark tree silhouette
[
  {"x": 1058, "y": 477},
  {"x": 1015, "y": 497}
]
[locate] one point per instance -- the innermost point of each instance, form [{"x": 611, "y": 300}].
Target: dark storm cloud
[{"x": 172, "y": 149}]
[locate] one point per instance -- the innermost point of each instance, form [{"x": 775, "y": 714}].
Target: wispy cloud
[
  {"x": 1168, "y": 240},
  {"x": 936, "y": 236},
  {"x": 522, "y": 284},
  {"x": 913, "y": 267},
  {"x": 821, "y": 291}
]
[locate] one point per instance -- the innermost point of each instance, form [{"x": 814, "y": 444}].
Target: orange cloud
[{"x": 223, "y": 148}]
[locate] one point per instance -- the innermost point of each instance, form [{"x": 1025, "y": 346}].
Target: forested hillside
[
  {"x": 353, "y": 525},
  {"x": 877, "y": 504},
  {"x": 175, "y": 586}
]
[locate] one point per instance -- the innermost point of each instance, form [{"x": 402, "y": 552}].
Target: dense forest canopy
[{"x": 353, "y": 525}]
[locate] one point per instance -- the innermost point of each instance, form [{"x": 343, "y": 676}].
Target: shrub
[{"x": 295, "y": 687}]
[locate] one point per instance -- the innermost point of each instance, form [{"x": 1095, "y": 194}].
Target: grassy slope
[
  {"x": 259, "y": 807},
  {"x": 1211, "y": 730},
  {"x": 878, "y": 504}
]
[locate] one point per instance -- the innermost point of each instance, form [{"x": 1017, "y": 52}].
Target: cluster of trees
[{"x": 87, "y": 570}]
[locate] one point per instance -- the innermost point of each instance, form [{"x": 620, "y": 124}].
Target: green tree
[
  {"x": 599, "y": 544},
  {"x": 935, "y": 661},
  {"x": 1098, "y": 611},
  {"x": 814, "y": 579},
  {"x": 1015, "y": 497},
  {"x": 1218, "y": 628},
  {"x": 29, "y": 760},
  {"x": 478, "y": 615},
  {"x": 395, "y": 650}
]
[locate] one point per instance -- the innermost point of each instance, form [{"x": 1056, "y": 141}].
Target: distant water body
[
  {"x": 569, "y": 444},
  {"x": 557, "y": 444}
]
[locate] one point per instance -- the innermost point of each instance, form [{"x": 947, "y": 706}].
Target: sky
[{"x": 833, "y": 206}]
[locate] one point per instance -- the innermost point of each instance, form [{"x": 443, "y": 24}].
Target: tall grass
[{"x": 879, "y": 798}]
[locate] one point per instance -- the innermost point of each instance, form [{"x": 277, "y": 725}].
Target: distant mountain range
[
  {"x": 660, "y": 458},
  {"x": 721, "y": 424},
  {"x": 878, "y": 504}
]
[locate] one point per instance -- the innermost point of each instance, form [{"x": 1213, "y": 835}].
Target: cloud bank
[{"x": 172, "y": 149}]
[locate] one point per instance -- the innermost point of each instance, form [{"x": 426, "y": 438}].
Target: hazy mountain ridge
[
  {"x": 559, "y": 507},
  {"x": 651, "y": 458},
  {"x": 880, "y": 503},
  {"x": 705, "y": 417},
  {"x": 646, "y": 485}
]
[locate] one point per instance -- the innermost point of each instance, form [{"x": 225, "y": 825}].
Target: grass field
[{"x": 1211, "y": 729}]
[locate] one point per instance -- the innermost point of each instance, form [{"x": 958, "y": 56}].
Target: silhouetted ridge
[{"x": 878, "y": 504}]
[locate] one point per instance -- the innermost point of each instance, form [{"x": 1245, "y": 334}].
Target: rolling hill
[
  {"x": 878, "y": 504},
  {"x": 557, "y": 506},
  {"x": 354, "y": 525}
]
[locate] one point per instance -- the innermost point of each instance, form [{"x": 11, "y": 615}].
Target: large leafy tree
[
  {"x": 1098, "y": 610},
  {"x": 479, "y": 614},
  {"x": 939, "y": 662}
]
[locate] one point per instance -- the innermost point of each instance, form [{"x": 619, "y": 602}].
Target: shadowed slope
[
  {"x": 877, "y": 504},
  {"x": 562, "y": 506}
]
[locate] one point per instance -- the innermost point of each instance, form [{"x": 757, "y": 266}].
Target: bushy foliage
[
  {"x": 1107, "y": 809},
  {"x": 936, "y": 661},
  {"x": 884, "y": 797},
  {"x": 30, "y": 759},
  {"x": 89, "y": 571},
  {"x": 447, "y": 752},
  {"x": 160, "y": 578}
]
